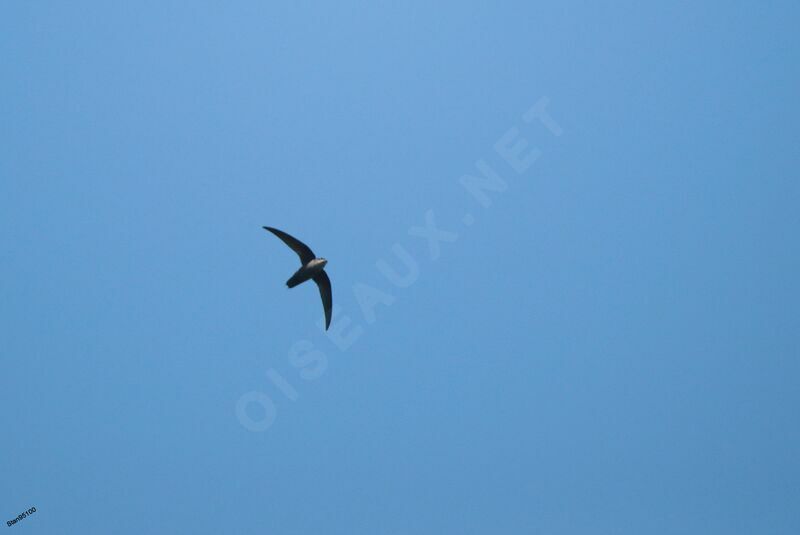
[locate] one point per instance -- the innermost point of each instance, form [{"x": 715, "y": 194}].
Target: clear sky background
[{"x": 610, "y": 347}]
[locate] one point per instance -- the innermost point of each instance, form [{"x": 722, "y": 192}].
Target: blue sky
[{"x": 610, "y": 347}]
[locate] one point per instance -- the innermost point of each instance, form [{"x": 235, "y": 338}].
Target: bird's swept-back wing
[
  {"x": 324, "y": 284},
  {"x": 303, "y": 251}
]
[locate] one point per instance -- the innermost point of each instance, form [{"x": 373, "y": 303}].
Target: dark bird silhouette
[{"x": 311, "y": 268}]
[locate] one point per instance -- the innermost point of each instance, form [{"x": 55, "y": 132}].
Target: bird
[{"x": 311, "y": 268}]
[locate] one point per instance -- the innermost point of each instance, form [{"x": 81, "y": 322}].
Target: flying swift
[{"x": 311, "y": 267}]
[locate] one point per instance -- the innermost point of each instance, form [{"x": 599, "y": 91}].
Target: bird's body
[
  {"x": 306, "y": 272},
  {"x": 311, "y": 268}
]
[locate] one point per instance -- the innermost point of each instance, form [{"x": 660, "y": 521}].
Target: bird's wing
[
  {"x": 324, "y": 284},
  {"x": 303, "y": 251}
]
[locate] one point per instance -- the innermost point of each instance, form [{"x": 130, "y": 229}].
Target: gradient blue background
[{"x": 612, "y": 347}]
